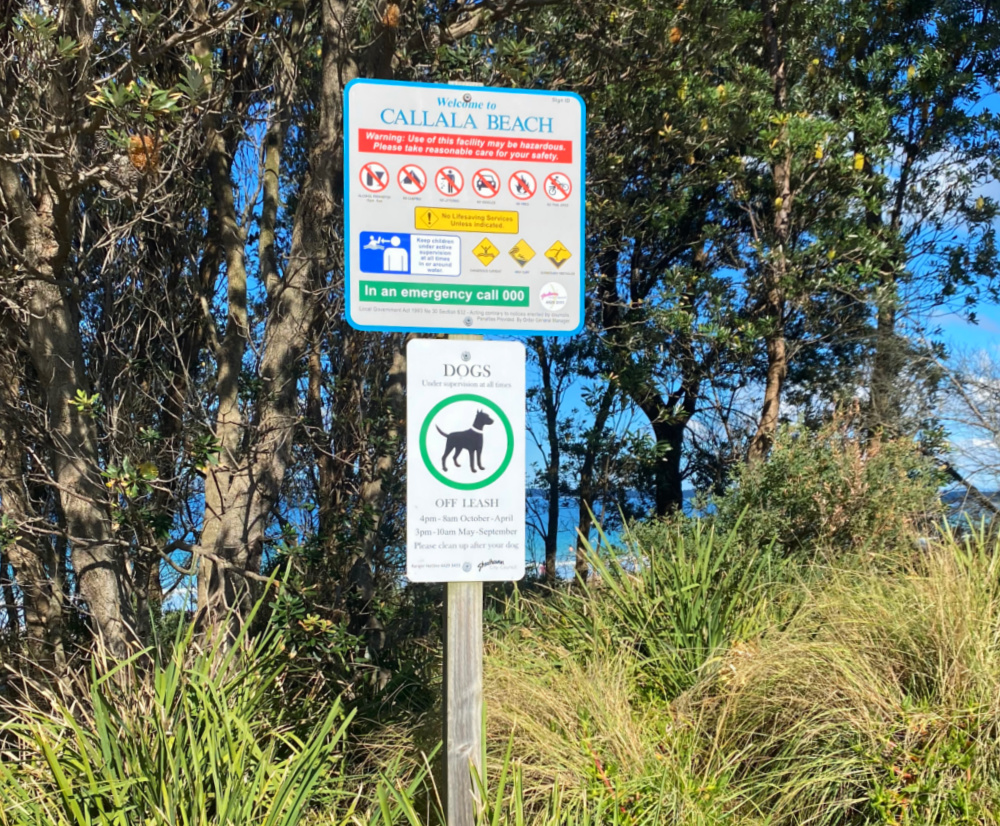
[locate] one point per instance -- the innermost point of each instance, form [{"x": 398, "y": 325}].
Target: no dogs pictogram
[
  {"x": 374, "y": 177},
  {"x": 412, "y": 179},
  {"x": 558, "y": 186},
  {"x": 486, "y": 183},
  {"x": 522, "y": 185},
  {"x": 449, "y": 181}
]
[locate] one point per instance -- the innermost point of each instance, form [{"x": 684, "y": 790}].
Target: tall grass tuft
[
  {"x": 879, "y": 703},
  {"x": 198, "y": 738},
  {"x": 678, "y": 599}
]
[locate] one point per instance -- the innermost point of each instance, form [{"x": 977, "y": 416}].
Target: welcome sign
[{"x": 464, "y": 208}]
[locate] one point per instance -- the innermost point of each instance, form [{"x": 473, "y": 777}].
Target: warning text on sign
[
  {"x": 444, "y": 219},
  {"x": 460, "y": 146},
  {"x": 407, "y": 254}
]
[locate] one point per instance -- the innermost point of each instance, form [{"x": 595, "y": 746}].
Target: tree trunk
[
  {"x": 241, "y": 506},
  {"x": 56, "y": 352},
  {"x": 776, "y": 268},
  {"x": 9, "y": 602},
  {"x": 42, "y": 224}
]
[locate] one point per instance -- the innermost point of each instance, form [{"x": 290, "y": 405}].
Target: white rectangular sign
[
  {"x": 465, "y": 484},
  {"x": 464, "y": 208}
]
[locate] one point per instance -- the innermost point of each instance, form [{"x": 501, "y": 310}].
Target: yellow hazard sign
[
  {"x": 464, "y": 220},
  {"x": 485, "y": 251},
  {"x": 558, "y": 254},
  {"x": 521, "y": 252}
]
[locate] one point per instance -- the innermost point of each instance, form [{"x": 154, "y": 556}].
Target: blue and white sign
[
  {"x": 403, "y": 253},
  {"x": 481, "y": 186}
]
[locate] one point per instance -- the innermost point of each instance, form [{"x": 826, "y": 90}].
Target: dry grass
[
  {"x": 880, "y": 700},
  {"x": 570, "y": 718}
]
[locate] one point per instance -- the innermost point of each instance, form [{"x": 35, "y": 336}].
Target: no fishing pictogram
[
  {"x": 449, "y": 181},
  {"x": 522, "y": 185},
  {"x": 558, "y": 186},
  {"x": 486, "y": 183},
  {"x": 412, "y": 179},
  {"x": 374, "y": 177}
]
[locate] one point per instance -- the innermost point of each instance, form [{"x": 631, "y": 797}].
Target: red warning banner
[{"x": 448, "y": 145}]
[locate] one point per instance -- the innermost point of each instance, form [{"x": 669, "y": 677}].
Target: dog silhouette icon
[{"x": 470, "y": 440}]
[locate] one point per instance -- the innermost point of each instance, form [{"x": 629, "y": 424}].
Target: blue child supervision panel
[{"x": 404, "y": 253}]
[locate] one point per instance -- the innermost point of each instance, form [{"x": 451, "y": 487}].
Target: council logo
[{"x": 553, "y": 296}]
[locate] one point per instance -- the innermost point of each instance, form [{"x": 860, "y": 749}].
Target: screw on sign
[
  {"x": 374, "y": 177},
  {"x": 412, "y": 179},
  {"x": 522, "y": 185},
  {"x": 449, "y": 181},
  {"x": 487, "y": 183},
  {"x": 558, "y": 186}
]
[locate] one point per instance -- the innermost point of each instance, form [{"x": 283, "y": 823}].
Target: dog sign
[{"x": 465, "y": 460}]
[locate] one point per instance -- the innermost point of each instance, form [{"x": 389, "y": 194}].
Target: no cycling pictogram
[
  {"x": 412, "y": 179},
  {"x": 522, "y": 185},
  {"x": 374, "y": 177},
  {"x": 486, "y": 182},
  {"x": 558, "y": 186},
  {"x": 449, "y": 181},
  {"x": 425, "y": 431}
]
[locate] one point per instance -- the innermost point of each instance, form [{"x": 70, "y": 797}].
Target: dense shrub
[{"x": 830, "y": 491}]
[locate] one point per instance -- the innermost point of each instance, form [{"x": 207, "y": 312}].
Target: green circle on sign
[{"x": 425, "y": 428}]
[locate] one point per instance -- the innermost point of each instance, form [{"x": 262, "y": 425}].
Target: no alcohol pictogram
[
  {"x": 486, "y": 183},
  {"x": 558, "y": 186},
  {"x": 449, "y": 181},
  {"x": 522, "y": 185},
  {"x": 374, "y": 177},
  {"x": 412, "y": 179}
]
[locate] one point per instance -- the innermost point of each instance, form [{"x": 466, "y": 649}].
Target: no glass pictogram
[
  {"x": 374, "y": 177},
  {"x": 449, "y": 181},
  {"x": 412, "y": 179},
  {"x": 522, "y": 185},
  {"x": 558, "y": 186},
  {"x": 486, "y": 183}
]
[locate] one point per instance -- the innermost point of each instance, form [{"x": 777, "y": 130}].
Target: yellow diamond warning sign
[
  {"x": 558, "y": 254},
  {"x": 464, "y": 220},
  {"x": 485, "y": 251},
  {"x": 521, "y": 252},
  {"x": 426, "y": 218}
]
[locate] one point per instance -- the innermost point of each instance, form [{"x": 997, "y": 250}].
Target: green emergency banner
[{"x": 399, "y": 292}]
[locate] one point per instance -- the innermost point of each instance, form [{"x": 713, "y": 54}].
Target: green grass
[
  {"x": 196, "y": 739},
  {"x": 698, "y": 683}
]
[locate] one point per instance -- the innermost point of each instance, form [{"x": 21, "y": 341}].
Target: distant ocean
[
  {"x": 569, "y": 514},
  {"x": 960, "y": 507}
]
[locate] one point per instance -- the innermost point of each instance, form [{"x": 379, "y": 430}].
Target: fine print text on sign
[
  {"x": 465, "y": 466},
  {"x": 464, "y": 208}
]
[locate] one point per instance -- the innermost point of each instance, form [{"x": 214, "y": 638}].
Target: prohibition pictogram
[
  {"x": 486, "y": 183},
  {"x": 412, "y": 179},
  {"x": 374, "y": 177},
  {"x": 558, "y": 186},
  {"x": 449, "y": 181},
  {"x": 522, "y": 185}
]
